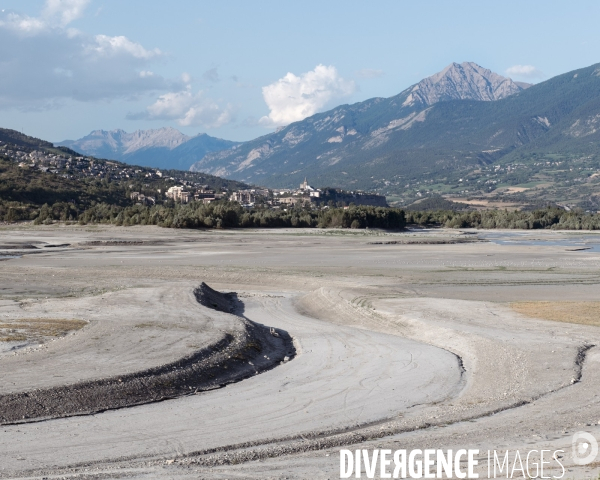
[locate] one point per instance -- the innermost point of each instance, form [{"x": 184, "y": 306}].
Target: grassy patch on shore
[
  {"x": 583, "y": 313},
  {"x": 21, "y": 329}
]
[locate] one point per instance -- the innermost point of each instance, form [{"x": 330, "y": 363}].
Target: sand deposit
[{"x": 367, "y": 340}]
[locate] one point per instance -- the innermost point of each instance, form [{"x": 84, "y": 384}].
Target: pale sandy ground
[
  {"x": 128, "y": 331},
  {"x": 381, "y": 333}
]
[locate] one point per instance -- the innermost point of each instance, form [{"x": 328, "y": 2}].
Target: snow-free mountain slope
[
  {"x": 454, "y": 121},
  {"x": 465, "y": 81},
  {"x": 152, "y": 148},
  {"x": 116, "y": 144}
]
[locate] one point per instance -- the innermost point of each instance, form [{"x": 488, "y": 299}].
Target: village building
[
  {"x": 294, "y": 201},
  {"x": 141, "y": 198},
  {"x": 305, "y": 187},
  {"x": 243, "y": 197},
  {"x": 178, "y": 194}
]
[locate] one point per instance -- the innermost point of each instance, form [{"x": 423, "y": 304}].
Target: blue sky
[{"x": 238, "y": 69}]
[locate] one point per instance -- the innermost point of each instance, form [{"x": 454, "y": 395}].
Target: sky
[{"x": 238, "y": 69}]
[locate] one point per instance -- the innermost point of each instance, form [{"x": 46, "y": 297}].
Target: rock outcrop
[{"x": 464, "y": 81}]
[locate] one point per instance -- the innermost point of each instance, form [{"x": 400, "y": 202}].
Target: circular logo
[{"x": 585, "y": 448}]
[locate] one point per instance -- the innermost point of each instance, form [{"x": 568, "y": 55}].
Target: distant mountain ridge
[
  {"x": 166, "y": 148},
  {"x": 340, "y": 147},
  {"x": 459, "y": 120}
]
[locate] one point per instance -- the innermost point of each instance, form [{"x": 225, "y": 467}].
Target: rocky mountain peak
[
  {"x": 161, "y": 137},
  {"x": 118, "y": 142},
  {"x": 463, "y": 81},
  {"x": 161, "y": 147}
]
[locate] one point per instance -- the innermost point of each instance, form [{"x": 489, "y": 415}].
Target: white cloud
[
  {"x": 524, "y": 71},
  {"x": 21, "y": 24},
  {"x": 56, "y": 14},
  {"x": 64, "y": 11},
  {"x": 293, "y": 98},
  {"x": 188, "y": 108},
  {"x": 369, "y": 73},
  {"x": 45, "y": 62},
  {"x": 120, "y": 45}
]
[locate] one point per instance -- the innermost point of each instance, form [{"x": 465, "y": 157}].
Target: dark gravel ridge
[
  {"x": 238, "y": 355},
  {"x": 429, "y": 241}
]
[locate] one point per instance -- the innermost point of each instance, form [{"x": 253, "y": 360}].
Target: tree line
[
  {"x": 221, "y": 214},
  {"x": 544, "y": 218},
  {"x": 225, "y": 214}
]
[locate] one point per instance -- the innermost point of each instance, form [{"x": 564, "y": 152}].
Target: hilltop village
[
  {"x": 305, "y": 196},
  {"x": 149, "y": 186},
  {"x": 144, "y": 185},
  {"x": 69, "y": 166}
]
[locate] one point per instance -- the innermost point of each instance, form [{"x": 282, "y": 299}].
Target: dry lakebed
[{"x": 142, "y": 352}]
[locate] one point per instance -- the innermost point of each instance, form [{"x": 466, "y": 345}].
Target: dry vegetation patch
[
  {"x": 584, "y": 313},
  {"x": 21, "y": 329}
]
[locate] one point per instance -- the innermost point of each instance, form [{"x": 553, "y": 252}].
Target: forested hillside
[{"x": 34, "y": 173}]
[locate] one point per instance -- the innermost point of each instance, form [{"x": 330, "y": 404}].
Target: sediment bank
[{"x": 238, "y": 355}]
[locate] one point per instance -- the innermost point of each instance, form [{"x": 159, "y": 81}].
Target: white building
[
  {"x": 305, "y": 186},
  {"x": 178, "y": 194}
]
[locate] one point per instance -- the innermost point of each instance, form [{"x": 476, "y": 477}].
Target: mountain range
[
  {"x": 464, "y": 132},
  {"x": 381, "y": 137},
  {"x": 165, "y": 148}
]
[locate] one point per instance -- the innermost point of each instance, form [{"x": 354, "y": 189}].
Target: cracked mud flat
[{"x": 401, "y": 341}]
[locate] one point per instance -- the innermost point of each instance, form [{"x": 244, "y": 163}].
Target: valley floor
[{"x": 419, "y": 339}]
